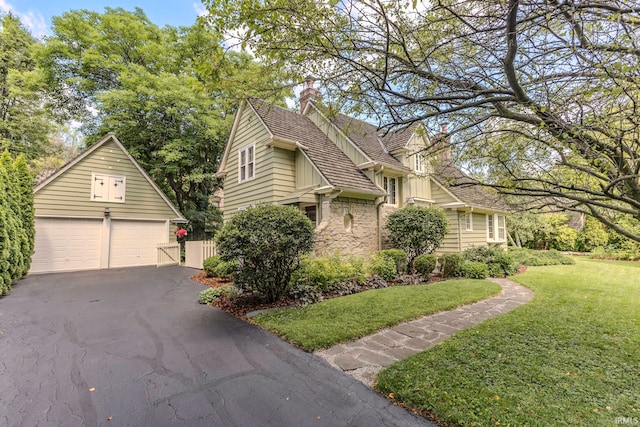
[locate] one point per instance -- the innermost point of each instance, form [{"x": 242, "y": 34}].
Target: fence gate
[
  {"x": 168, "y": 254},
  {"x": 196, "y": 252}
]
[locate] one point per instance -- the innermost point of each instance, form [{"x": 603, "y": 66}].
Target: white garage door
[
  {"x": 66, "y": 244},
  {"x": 135, "y": 242}
]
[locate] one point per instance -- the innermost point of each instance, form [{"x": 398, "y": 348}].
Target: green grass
[
  {"x": 569, "y": 357},
  {"x": 350, "y": 317}
]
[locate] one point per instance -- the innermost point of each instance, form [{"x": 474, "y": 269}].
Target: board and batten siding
[
  {"x": 306, "y": 174},
  {"x": 419, "y": 186},
  {"x": 70, "y": 193},
  {"x": 337, "y": 137}
]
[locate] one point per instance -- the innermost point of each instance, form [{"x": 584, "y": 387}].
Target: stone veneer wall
[
  {"x": 333, "y": 234},
  {"x": 385, "y": 211}
]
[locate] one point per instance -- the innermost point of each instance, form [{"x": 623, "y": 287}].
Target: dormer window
[
  {"x": 246, "y": 163},
  {"x": 108, "y": 188}
]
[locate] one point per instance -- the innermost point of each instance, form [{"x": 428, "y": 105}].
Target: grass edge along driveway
[
  {"x": 351, "y": 317},
  {"x": 571, "y": 356}
]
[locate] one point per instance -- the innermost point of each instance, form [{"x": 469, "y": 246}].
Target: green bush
[
  {"x": 209, "y": 265},
  {"x": 538, "y": 258},
  {"x": 593, "y": 235},
  {"x": 267, "y": 242},
  {"x": 417, "y": 230},
  {"x": 323, "y": 273},
  {"x": 474, "y": 270},
  {"x": 425, "y": 264},
  {"x": 613, "y": 253},
  {"x": 450, "y": 265},
  {"x": 383, "y": 266},
  {"x": 226, "y": 269},
  {"x": 212, "y": 294},
  {"x": 399, "y": 257},
  {"x": 499, "y": 262}
]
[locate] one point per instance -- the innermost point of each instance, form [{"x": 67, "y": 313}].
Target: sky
[{"x": 36, "y": 14}]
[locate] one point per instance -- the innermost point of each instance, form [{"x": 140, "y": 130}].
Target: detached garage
[{"x": 101, "y": 210}]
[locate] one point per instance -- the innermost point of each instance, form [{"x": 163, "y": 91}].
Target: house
[
  {"x": 101, "y": 210},
  {"x": 348, "y": 177}
]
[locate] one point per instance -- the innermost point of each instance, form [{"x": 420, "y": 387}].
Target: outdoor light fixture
[{"x": 107, "y": 212}]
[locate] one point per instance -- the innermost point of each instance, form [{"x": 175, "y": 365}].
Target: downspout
[{"x": 379, "y": 201}]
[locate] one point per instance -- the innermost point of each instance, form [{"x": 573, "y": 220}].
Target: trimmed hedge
[
  {"x": 425, "y": 264},
  {"x": 450, "y": 265},
  {"x": 398, "y": 256},
  {"x": 17, "y": 231}
]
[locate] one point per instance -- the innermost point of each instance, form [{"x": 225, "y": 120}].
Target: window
[
  {"x": 312, "y": 213},
  {"x": 496, "y": 229},
  {"x": 108, "y": 188},
  {"x": 391, "y": 187},
  {"x": 419, "y": 162},
  {"x": 246, "y": 163},
  {"x": 468, "y": 221}
]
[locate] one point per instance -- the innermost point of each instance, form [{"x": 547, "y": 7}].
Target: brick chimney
[
  {"x": 444, "y": 147},
  {"x": 309, "y": 92}
]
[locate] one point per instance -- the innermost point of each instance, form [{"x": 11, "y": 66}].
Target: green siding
[
  {"x": 337, "y": 137},
  {"x": 306, "y": 174},
  {"x": 419, "y": 186},
  {"x": 440, "y": 196},
  {"x": 477, "y": 237},
  {"x": 70, "y": 193},
  {"x": 451, "y": 242},
  {"x": 275, "y": 173}
]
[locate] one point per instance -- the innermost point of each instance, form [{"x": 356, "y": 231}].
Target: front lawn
[
  {"x": 569, "y": 357},
  {"x": 350, "y": 317}
]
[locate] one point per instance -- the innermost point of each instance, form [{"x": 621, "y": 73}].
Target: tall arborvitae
[
  {"x": 27, "y": 210},
  {"x": 5, "y": 243},
  {"x": 13, "y": 224}
]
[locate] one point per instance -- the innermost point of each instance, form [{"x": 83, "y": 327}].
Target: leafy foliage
[
  {"x": 383, "y": 266},
  {"x": 425, "y": 264},
  {"x": 398, "y": 256},
  {"x": 539, "y": 258},
  {"x": 267, "y": 242},
  {"x": 450, "y": 265},
  {"x": 474, "y": 270},
  {"x": 499, "y": 262},
  {"x": 168, "y": 94},
  {"x": 26, "y": 119},
  {"x": 417, "y": 230},
  {"x": 16, "y": 220},
  {"x": 546, "y": 94},
  {"x": 210, "y": 295},
  {"x": 325, "y": 272}
]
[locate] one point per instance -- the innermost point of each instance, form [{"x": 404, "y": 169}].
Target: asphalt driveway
[{"x": 132, "y": 347}]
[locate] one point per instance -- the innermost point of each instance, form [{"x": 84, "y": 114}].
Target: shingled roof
[
  {"x": 466, "y": 188},
  {"x": 332, "y": 163},
  {"x": 399, "y": 139},
  {"x": 365, "y": 136}
]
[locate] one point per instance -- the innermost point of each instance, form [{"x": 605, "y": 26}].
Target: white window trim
[
  {"x": 110, "y": 198},
  {"x": 385, "y": 180},
  {"x": 418, "y": 163},
  {"x": 246, "y": 150},
  {"x": 496, "y": 228},
  {"x": 468, "y": 221}
]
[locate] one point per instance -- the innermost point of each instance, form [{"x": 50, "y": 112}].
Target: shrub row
[
  {"x": 17, "y": 231},
  {"x": 539, "y": 258}
]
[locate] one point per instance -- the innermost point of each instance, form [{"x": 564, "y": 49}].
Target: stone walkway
[{"x": 364, "y": 358}]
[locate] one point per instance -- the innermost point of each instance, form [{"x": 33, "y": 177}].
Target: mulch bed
[{"x": 246, "y": 303}]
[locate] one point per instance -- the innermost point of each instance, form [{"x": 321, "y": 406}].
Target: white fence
[
  {"x": 168, "y": 254},
  {"x": 196, "y": 252}
]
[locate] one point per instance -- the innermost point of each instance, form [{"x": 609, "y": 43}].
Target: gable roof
[
  {"x": 400, "y": 138},
  {"x": 365, "y": 136},
  {"x": 102, "y": 141},
  {"x": 465, "y": 188},
  {"x": 330, "y": 161}
]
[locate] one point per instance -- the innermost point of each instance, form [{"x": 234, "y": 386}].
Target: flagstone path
[{"x": 364, "y": 358}]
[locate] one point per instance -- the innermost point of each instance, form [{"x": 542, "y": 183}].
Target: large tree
[
  {"x": 169, "y": 94},
  {"x": 546, "y": 91},
  {"x": 26, "y": 121}
]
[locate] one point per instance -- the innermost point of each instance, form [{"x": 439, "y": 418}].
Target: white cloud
[
  {"x": 33, "y": 20},
  {"x": 199, "y": 8}
]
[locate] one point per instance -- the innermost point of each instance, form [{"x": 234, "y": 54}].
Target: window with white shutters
[{"x": 108, "y": 188}]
